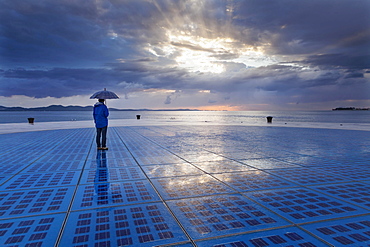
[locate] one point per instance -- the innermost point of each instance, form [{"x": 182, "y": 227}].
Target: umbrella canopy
[{"x": 104, "y": 95}]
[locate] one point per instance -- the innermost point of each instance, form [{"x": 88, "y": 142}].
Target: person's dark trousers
[{"x": 101, "y": 133}]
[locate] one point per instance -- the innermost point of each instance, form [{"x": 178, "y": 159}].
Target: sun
[
  {"x": 208, "y": 55},
  {"x": 198, "y": 54}
]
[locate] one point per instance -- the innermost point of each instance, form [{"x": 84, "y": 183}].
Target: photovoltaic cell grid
[
  {"x": 16, "y": 161},
  {"x": 220, "y": 215},
  {"x": 80, "y": 146},
  {"x": 11, "y": 141},
  {"x": 139, "y": 225},
  {"x": 114, "y": 153},
  {"x": 308, "y": 161},
  {"x": 287, "y": 237},
  {"x": 31, "y": 231},
  {"x": 63, "y": 157},
  {"x": 115, "y": 143},
  {"x": 268, "y": 164},
  {"x": 263, "y": 151},
  {"x": 112, "y": 175},
  {"x": 358, "y": 193},
  {"x": 4, "y": 178},
  {"x": 345, "y": 232},
  {"x": 155, "y": 160},
  {"x": 25, "y": 143},
  {"x": 272, "y": 152},
  {"x": 191, "y": 186},
  {"x": 308, "y": 176},
  {"x": 11, "y": 169},
  {"x": 145, "y": 149},
  {"x": 34, "y": 202},
  {"x": 41, "y": 180},
  {"x": 110, "y": 163},
  {"x": 105, "y": 186},
  {"x": 242, "y": 155},
  {"x": 204, "y": 157},
  {"x": 171, "y": 170},
  {"x": 302, "y": 205},
  {"x": 356, "y": 160},
  {"x": 54, "y": 166},
  {"x": 253, "y": 180},
  {"x": 36, "y": 144},
  {"x": 111, "y": 194},
  {"x": 223, "y": 166},
  {"x": 351, "y": 172}
]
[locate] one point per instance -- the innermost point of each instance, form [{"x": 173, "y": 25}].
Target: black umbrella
[{"x": 104, "y": 95}]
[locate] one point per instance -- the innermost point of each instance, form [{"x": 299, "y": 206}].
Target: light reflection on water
[
  {"x": 171, "y": 170},
  {"x": 195, "y": 116}
]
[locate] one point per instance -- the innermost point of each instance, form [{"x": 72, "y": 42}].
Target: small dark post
[
  {"x": 31, "y": 120},
  {"x": 269, "y": 119},
  {"x": 137, "y": 117}
]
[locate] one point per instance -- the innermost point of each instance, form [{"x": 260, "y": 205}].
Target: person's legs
[
  {"x": 104, "y": 136},
  {"x": 98, "y": 136}
]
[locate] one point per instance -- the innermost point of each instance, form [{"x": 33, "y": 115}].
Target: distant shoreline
[
  {"x": 78, "y": 108},
  {"x": 350, "y": 109}
]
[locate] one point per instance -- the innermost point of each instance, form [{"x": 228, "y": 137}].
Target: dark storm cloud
[
  {"x": 332, "y": 61},
  {"x": 64, "y": 82},
  {"x": 59, "y": 49},
  {"x": 355, "y": 74},
  {"x": 303, "y": 27},
  {"x": 58, "y": 82},
  {"x": 50, "y": 34}
]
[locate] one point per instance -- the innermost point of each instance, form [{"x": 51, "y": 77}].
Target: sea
[{"x": 195, "y": 116}]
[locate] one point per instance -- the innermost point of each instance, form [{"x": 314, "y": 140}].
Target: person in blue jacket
[{"x": 101, "y": 114}]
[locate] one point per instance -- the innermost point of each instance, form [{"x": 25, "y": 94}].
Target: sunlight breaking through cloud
[
  {"x": 199, "y": 54},
  {"x": 247, "y": 54}
]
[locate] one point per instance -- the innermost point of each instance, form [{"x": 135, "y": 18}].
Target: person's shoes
[
  {"x": 104, "y": 148},
  {"x": 99, "y": 148}
]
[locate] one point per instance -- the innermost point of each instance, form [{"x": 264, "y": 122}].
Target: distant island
[
  {"x": 78, "y": 108},
  {"x": 350, "y": 109}
]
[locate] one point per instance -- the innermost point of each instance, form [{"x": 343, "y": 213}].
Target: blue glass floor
[{"x": 186, "y": 186}]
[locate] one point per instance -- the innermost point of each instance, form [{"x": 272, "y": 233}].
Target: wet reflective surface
[{"x": 186, "y": 186}]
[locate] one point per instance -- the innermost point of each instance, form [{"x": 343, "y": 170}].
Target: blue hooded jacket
[{"x": 100, "y": 114}]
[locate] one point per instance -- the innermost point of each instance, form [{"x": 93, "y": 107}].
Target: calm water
[{"x": 211, "y": 116}]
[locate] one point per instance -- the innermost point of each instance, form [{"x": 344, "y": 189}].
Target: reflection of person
[
  {"x": 101, "y": 179},
  {"x": 101, "y": 114}
]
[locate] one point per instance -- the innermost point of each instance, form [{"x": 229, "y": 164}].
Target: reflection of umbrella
[{"x": 104, "y": 95}]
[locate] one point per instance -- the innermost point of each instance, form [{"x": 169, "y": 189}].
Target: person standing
[{"x": 101, "y": 114}]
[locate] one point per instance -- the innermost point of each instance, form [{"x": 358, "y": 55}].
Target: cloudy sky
[{"x": 204, "y": 54}]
